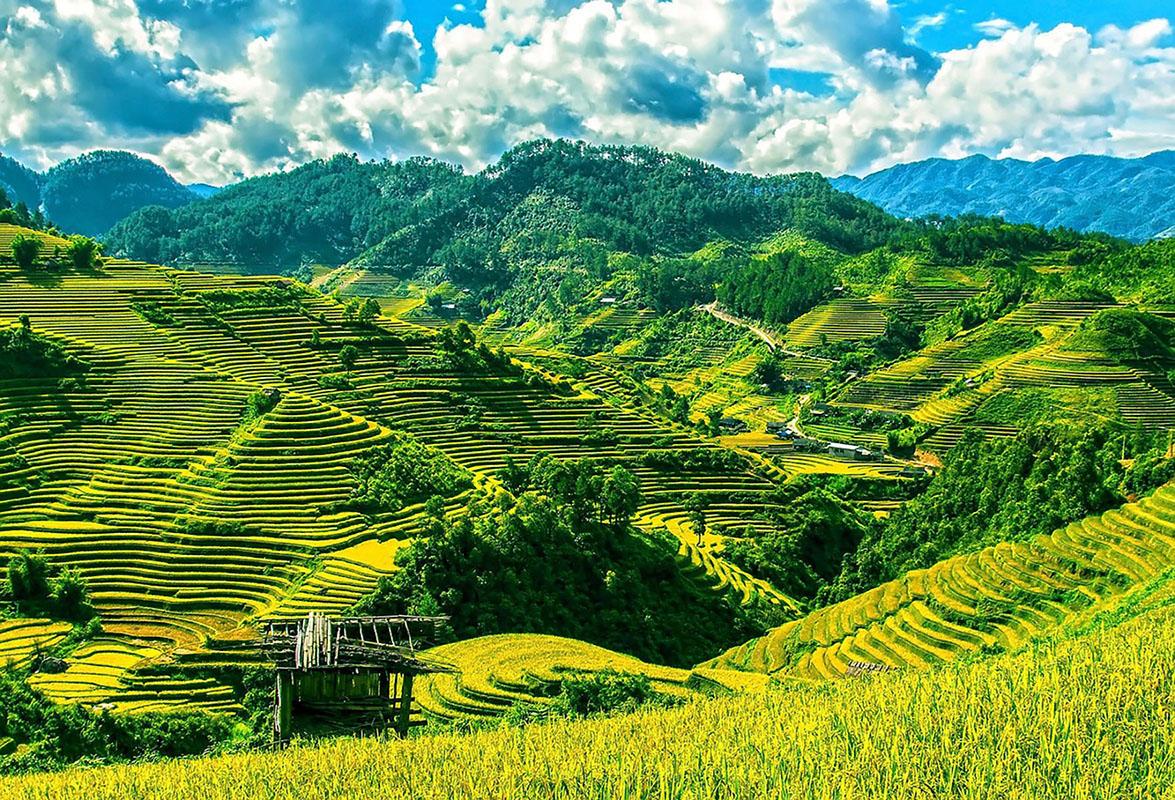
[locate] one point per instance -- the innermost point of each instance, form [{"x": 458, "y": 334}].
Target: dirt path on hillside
[{"x": 773, "y": 341}]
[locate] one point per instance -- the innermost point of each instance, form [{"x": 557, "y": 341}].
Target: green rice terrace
[{"x": 614, "y": 471}]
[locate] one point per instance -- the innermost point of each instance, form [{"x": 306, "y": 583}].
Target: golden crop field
[{"x": 1081, "y": 717}]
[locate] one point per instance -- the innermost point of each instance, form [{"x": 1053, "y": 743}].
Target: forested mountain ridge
[
  {"x": 411, "y": 215},
  {"x": 90, "y": 193},
  {"x": 1128, "y": 197}
]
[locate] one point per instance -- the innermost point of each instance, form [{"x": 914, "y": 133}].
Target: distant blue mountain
[
  {"x": 203, "y": 190},
  {"x": 1129, "y": 197}
]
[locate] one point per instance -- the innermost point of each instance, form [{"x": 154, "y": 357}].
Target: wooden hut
[{"x": 357, "y": 667}]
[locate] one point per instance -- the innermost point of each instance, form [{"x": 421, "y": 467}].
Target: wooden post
[
  {"x": 283, "y": 706},
  {"x": 402, "y": 724}
]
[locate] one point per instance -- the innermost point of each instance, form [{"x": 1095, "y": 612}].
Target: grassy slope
[{"x": 1067, "y": 717}]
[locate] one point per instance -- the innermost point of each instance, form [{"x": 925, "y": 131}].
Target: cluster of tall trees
[
  {"x": 560, "y": 563},
  {"x": 401, "y": 471},
  {"x": 591, "y": 489}
]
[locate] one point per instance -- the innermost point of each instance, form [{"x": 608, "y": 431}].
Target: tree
[
  {"x": 621, "y": 496},
  {"x": 347, "y": 356},
  {"x": 695, "y": 506},
  {"x": 369, "y": 310},
  {"x": 25, "y": 250},
  {"x": 83, "y": 252},
  {"x": 28, "y": 577},
  {"x": 70, "y": 595}
]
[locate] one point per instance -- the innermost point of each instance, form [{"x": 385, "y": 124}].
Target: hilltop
[
  {"x": 1126, "y": 197},
  {"x": 90, "y": 193}
]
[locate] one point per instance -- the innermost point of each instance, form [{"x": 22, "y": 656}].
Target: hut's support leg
[
  {"x": 283, "y": 706},
  {"x": 405, "y": 704}
]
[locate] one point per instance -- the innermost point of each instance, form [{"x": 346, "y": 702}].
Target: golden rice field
[
  {"x": 1086, "y": 717},
  {"x": 499, "y": 672}
]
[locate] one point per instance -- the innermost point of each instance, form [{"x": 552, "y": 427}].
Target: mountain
[
  {"x": 92, "y": 192},
  {"x": 20, "y": 183},
  {"x": 1133, "y": 198},
  {"x": 414, "y": 214}
]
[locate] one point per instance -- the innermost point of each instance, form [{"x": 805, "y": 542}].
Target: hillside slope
[
  {"x": 1084, "y": 716},
  {"x": 1133, "y": 198},
  {"x": 413, "y": 215},
  {"x": 92, "y": 192},
  {"x": 995, "y": 599}
]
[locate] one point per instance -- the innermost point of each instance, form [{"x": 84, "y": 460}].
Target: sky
[{"x": 218, "y": 90}]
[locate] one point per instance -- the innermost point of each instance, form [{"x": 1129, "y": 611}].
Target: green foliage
[
  {"x": 994, "y": 490},
  {"x": 363, "y": 311},
  {"x": 969, "y": 239},
  {"x": 1145, "y": 273},
  {"x": 285, "y": 294},
  {"x": 1127, "y": 335},
  {"x": 701, "y": 459},
  {"x": 605, "y": 692},
  {"x": 38, "y": 588},
  {"x": 1030, "y": 405},
  {"x": 402, "y": 471},
  {"x": 592, "y": 489},
  {"x": 260, "y": 403},
  {"x": 83, "y": 252},
  {"x": 92, "y": 192},
  {"x": 524, "y": 565},
  {"x": 325, "y": 212},
  {"x": 54, "y": 735},
  {"x": 348, "y": 354},
  {"x": 1011, "y": 285},
  {"x": 777, "y": 288},
  {"x": 26, "y": 250},
  {"x": 802, "y": 553},
  {"x": 996, "y": 340},
  {"x": 25, "y": 354}
]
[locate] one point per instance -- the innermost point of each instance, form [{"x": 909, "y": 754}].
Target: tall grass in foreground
[{"x": 1089, "y": 717}]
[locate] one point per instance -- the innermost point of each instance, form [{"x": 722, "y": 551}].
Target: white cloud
[
  {"x": 688, "y": 75},
  {"x": 996, "y": 26},
  {"x": 926, "y": 22}
]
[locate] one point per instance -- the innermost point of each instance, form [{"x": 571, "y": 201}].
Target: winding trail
[{"x": 773, "y": 341}]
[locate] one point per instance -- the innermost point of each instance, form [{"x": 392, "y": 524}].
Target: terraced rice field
[
  {"x": 928, "y": 387},
  {"x": 500, "y": 672},
  {"x": 10, "y": 232},
  {"x": 186, "y": 520},
  {"x": 22, "y": 639},
  {"x": 999, "y": 597},
  {"x": 837, "y": 321}
]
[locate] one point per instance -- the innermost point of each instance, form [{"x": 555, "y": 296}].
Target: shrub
[
  {"x": 260, "y": 403},
  {"x": 392, "y": 475},
  {"x": 25, "y": 250},
  {"x": 347, "y": 356},
  {"x": 83, "y": 252},
  {"x": 605, "y": 692}
]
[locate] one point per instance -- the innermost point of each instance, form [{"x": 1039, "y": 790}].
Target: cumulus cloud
[{"x": 221, "y": 89}]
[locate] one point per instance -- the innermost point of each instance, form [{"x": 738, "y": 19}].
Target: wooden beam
[
  {"x": 404, "y": 722},
  {"x": 283, "y": 706}
]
